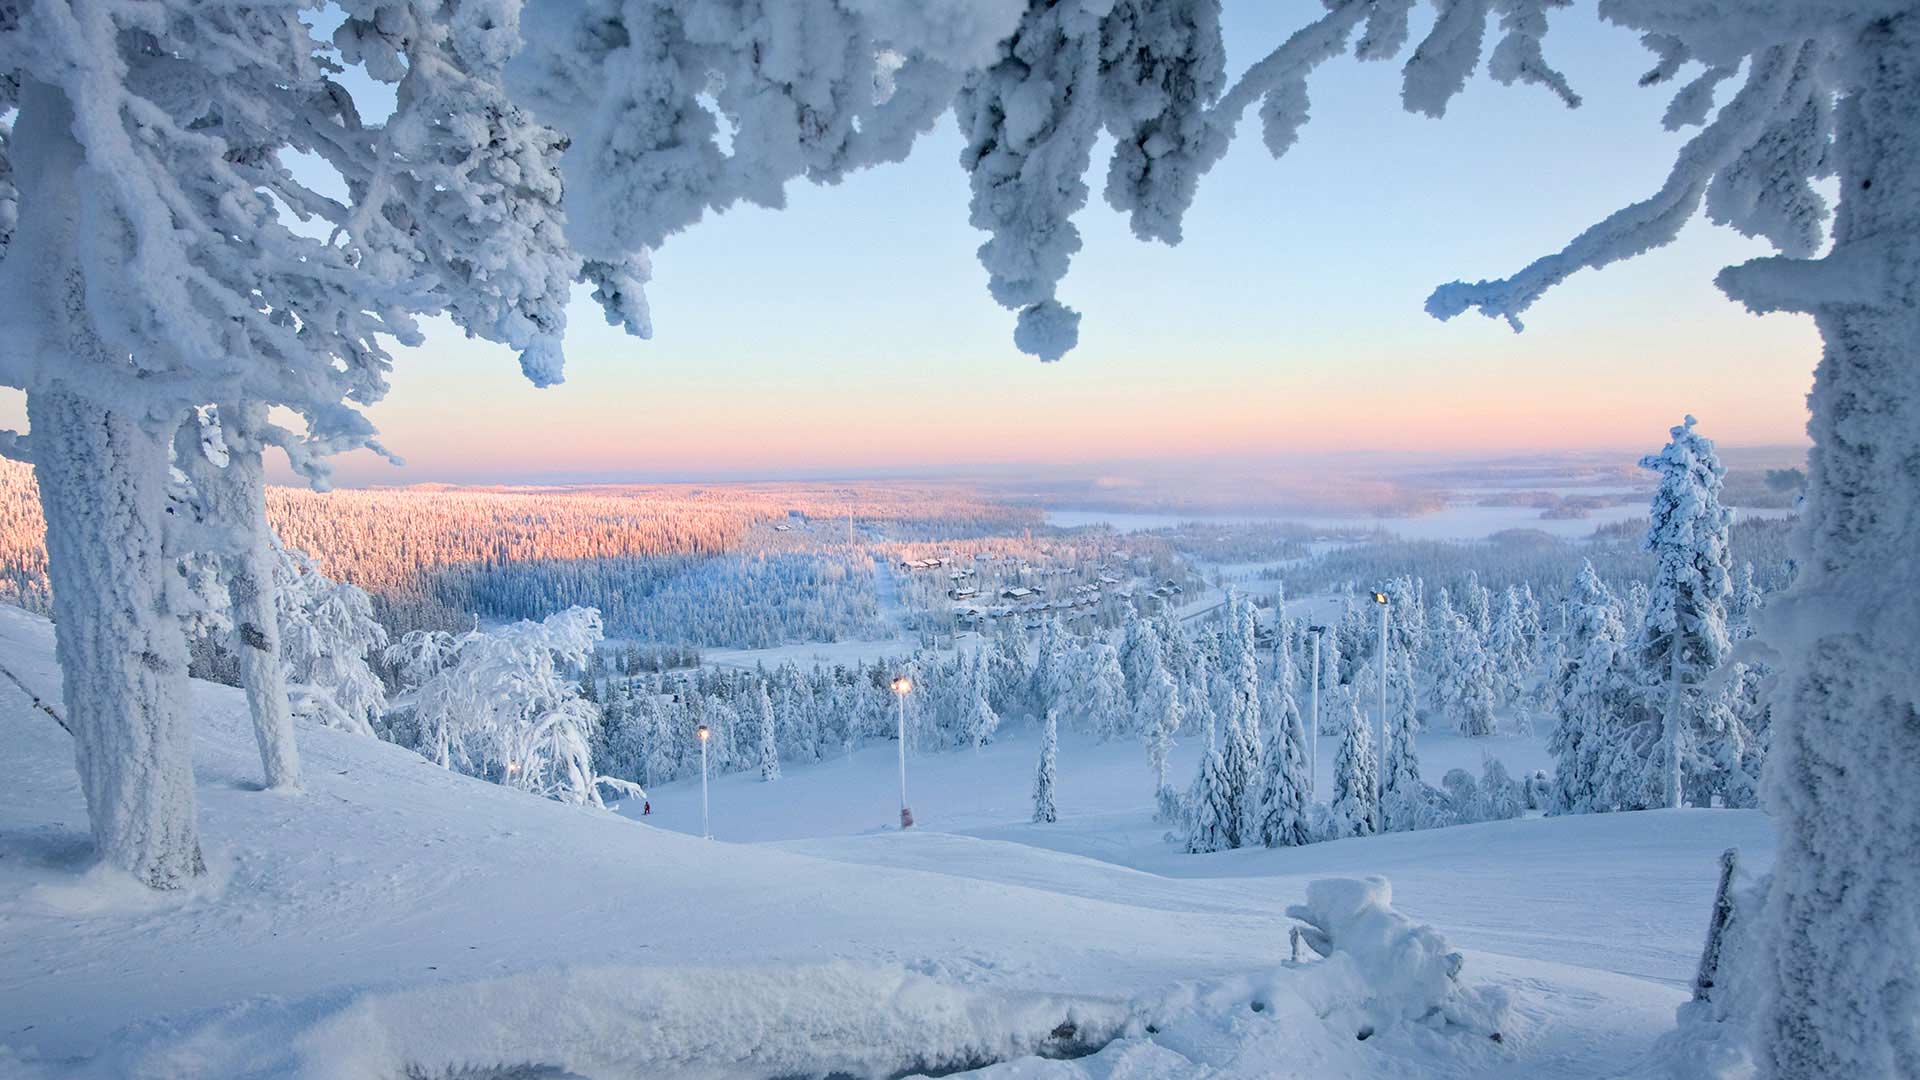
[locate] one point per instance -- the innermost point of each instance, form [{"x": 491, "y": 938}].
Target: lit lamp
[
  {"x": 706, "y": 827},
  {"x": 901, "y": 685}
]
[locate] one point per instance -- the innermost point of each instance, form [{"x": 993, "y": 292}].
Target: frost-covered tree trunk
[
  {"x": 1043, "y": 808},
  {"x": 1843, "y": 935},
  {"x": 102, "y": 477},
  {"x": 102, "y": 473},
  {"x": 234, "y": 499}
]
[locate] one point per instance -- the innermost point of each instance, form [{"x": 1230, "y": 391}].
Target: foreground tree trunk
[
  {"x": 1843, "y": 777},
  {"x": 123, "y": 661},
  {"x": 102, "y": 472},
  {"x": 233, "y": 499}
]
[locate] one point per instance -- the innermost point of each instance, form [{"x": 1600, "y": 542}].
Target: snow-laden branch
[{"x": 1783, "y": 73}]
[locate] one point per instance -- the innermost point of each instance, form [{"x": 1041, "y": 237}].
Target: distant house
[{"x": 1018, "y": 592}]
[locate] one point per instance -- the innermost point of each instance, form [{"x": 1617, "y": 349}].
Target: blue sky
[{"x": 853, "y": 331}]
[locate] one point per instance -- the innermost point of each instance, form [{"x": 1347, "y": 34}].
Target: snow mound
[
  {"x": 697, "y": 1023},
  {"x": 1382, "y": 968}
]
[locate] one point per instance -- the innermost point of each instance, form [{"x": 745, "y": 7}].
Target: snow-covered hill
[{"x": 397, "y": 917}]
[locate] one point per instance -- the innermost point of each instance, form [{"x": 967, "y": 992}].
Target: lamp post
[
  {"x": 706, "y": 829},
  {"x": 901, "y": 685},
  {"x": 1313, "y": 754},
  {"x": 1380, "y": 772}
]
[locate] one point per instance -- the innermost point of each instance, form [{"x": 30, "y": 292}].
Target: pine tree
[
  {"x": 1683, "y": 637},
  {"x": 1466, "y": 681},
  {"x": 1210, "y": 809},
  {"x": 1050, "y": 679},
  {"x": 1590, "y": 687},
  {"x": 1355, "y": 811},
  {"x": 1403, "y": 794},
  {"x": 1240, "y": 746},
  {"x": 1157, "y": 716},
  {"x": 1286, "y": 783},
  {"x": 1010, "y": 689},
  {"x": 1043, "y": 808},
  {"x": 1330, "y": 721},
  {"x": 769, "y": 734},
  {"x": 1100, "y": 691},
  {"x": 1744, "y": 605},
  {"x": 982, "y": 721},
  {"x": 1507, "y": 649}
]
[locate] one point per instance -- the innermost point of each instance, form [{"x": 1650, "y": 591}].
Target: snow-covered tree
[
  {"x": 1286, "y": 784},
  {"x": 1501, "y": 796},
  {"x": 1139, "y": 639},
  {"x": 1211, "y": 813},
  {"x": 1043, "y": 808},
  {"x": 1507, "y": 649},
  {"x": 1051, "y": 680},
  {"x": 160, "y": 270},
  {"x": 502, "y": 708},
  {"x": 1237, "y": 697},
  {"x": 1403, "y": 795},
  {"x": 1465, "y": 683},
  {"x": 768, "y": 738},
  {"x": 1744, "y": 604},
  {"x": 327, "y": 632},
  {"x": 1591, "y": 688},
  {"x": 981, "y": 720},
  {"x": 1157, "y": 716},
  {"x": 1011, "y": 693},
  {"x": 1096, "y": 690},
  {"x": 1355, "y": 809},
  {"x": 1684, "y": 636}
]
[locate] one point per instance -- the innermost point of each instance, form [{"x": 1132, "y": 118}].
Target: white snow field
[{"x": 396, "y": 920}]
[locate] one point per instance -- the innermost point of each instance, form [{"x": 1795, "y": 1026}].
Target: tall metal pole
[
  {"x": 903, "y": 758},
  {"x": 1313, "y": 755},
  {"x": 900, "y": 687},
  {"x": 1380, "y": 773},
  {"x": 706, "y": 825}
]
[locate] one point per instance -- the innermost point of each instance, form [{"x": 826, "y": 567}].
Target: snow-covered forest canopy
[{"x": 178, "y": 302}]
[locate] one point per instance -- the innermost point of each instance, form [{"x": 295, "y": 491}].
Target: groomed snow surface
[{"x": 397, "y": 920}]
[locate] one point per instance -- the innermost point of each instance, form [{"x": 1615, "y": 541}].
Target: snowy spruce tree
[
  {"x": 1237, "y": 695},
  {"x": 1591, "y": 693},
  {"x": 1403, "y": 796},
  {"x": 769, "y": 741},
  {"x": 1684, "y": 637},
  {"x": 1466, "y": 682},
  {"x": 1355, "y": 809},
  {"x": 980, "y": 718},
  {"x": 1043, "y": 808},
  {"x": 1012, "y": 679},
  {"x": 1157, "y": 716},
  {"x": 1507, "y": 649},
  {"x": 1286, "y": 784}
]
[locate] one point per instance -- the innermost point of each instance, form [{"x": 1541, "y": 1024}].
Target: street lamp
[
  {"x": 706, "y": 827},
  {"x": 1380, "y": 772},
  {"x": 1313, "y": 754},
  {"x": 901, "y": 686}
]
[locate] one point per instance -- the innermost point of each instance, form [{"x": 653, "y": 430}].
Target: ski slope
[{"x": 395, "y": 919}]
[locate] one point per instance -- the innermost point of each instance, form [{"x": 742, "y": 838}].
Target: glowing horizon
[{"x": 852, "y": 331}]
